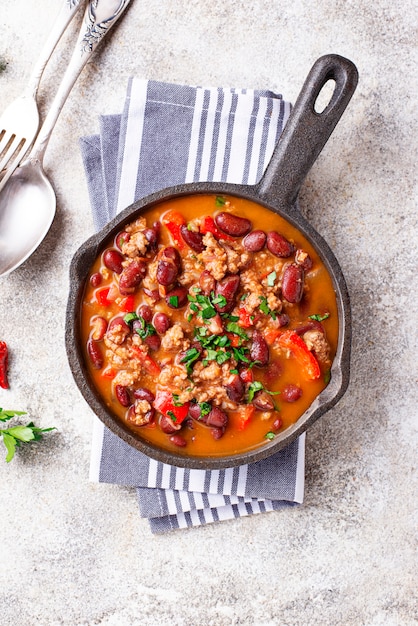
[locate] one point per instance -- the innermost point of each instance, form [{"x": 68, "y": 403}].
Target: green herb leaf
[
  {"x": 233, "y": 327},
  {"x": 192, "y": 354},
  {"x": 205, "y": 409},
  {"x": 220, "y": 201},
  {"x": 7, "y": 415},
  {"x": 174, "y": 301},
  {"x": 269, "y": 435},
  {"x": 239, "y": 354},
  {"x": 271, "y": 278},
  {"x": 172, "y": 416},
  {"x": 176, "y": 401},
  {"x": 264, "y": 307},
  {"x": 233, "y": 371},
  {"x": 327, "y": 376},
  {"x": 14, "y": 436},
  {"x": 319, "y": 318},
  {"x": 130, "y": 317},
  {"x": 253, "y": 388}
]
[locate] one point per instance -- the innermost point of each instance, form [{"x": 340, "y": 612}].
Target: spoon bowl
[{"x": 27, "y": 209}]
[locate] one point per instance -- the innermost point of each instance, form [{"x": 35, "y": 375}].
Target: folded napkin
[{"x": 169, "y": 134}]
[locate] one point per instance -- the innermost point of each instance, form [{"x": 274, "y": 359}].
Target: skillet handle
[{"x": 306, "y": 131}]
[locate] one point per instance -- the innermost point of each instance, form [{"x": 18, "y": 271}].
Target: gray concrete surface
[{"x": 74, "y": 553}]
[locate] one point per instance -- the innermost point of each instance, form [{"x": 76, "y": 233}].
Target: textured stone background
[{"x": 74, "y": 553}]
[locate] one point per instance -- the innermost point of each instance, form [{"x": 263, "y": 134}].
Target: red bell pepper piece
[
  {"x": 246, "y": 319},
  {"x": 289, "y": 340},
  {"x": 109, "y": 373},
  {"x": 173, "y": 221},
  {"x": 165, "y": 404},
  {"x": 127, "y": 304},
  {"x": 102, "y": 296},
  {"x": 208, "y": 226},
  {"x": 4, "y": 364},
  {"x": 271, "y": 335},
  {"x": 244, "y": 415}
]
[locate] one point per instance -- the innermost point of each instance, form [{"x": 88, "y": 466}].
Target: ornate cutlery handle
[
  {"x": 68, "y": 9},
  {"x": 99, "y": 17}
]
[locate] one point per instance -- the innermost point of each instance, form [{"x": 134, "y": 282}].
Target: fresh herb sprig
[{"x": 14, "y": 436}]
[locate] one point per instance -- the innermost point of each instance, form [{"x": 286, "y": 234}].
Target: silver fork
[{"x": 19, "y": 123}]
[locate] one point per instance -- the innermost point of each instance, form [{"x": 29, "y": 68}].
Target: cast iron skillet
[{"x": 302, "y": 140}]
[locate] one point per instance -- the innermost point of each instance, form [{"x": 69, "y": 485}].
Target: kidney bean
[
  {"x": 153, "y": 342},
  {"x": 255, "y": 241},
  {"x": 263, "y": 401},
  {"x": 95, "y": 354},
  {"x": 259, "y": 350},
  {"x": 113, "y": 260},
  {"x": 291, "y": 393},
  {"x": 142, "y": 393},
  {"x": 178, "y": 440},
  {"x": 195, "y": 411},
  {"x": 122, "y": 395},
  {"x": 207, "y": 282},
  {"x": 145, "y": 312},
  {"x": 193, "y": 239},
  {"x": 232, "y": 224},
  {"x": 99, "y": 326},
  {"x": 217, "y": 433},
  {"x": 228, "y": 288},
  {"x": 180, "y": 293},
  {"x": 96, "y": 279},
  {"x": 279, "y": 245},
  {"x": 122, "y": 238},
  {"x": 235, "y": 389},
  {"x": 154, "y": 294},
  {"x": 309, "y": 325},
  {"x": 217, "y": 418},
  {"x": 119, "y": 321},
  {"x": 161, "y": 322},
  {"x": 167, "y": 272},
  {"x": 302, "y": 258},
  {"x": 132, "y": 276},
  {"x": 282, "y": 320},
  {"x": 168, "y": 426},
  {"x": 292, "y": 283},
  {"x": 277, "y": 424},
  {"x": 151, "y": 236}
]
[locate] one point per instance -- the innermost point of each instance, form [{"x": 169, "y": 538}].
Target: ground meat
[
  {"x": 237, "y": 257},
  {"x": 135, "y": 246},
  {"x": 127, "y": 378},
  {"x": 316, "y": 341},
  {"x": 174, "y": 339},
  {"x": 174, "y": 377},
  {"x": 214, "y": 257},
  {"x": 141, "y": 413},
  {"x": 208, "y": 372},
  {"x": 192, "y": 269},
  {"x": 116, "y": 334}
]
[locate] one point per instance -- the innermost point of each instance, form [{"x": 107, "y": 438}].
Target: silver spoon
[{"x": 28, "y": 201}]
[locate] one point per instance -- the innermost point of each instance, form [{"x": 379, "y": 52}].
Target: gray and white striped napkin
[{"x": 169, "y": 134}]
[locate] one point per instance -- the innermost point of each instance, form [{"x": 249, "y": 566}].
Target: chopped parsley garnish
[
  {"x": 192, "y": 354},
  {"x": 233, "y": 371},
  {"x": 269, "y": 435},
  {"x": 142, "y": 328},
  {"x": 319, "y": 318},
  {"x": 239, "y": 354},
  {"x": 172, "y": 416},
  {"x": 130, "y": 317},
  {"x": 264, "y": 307},
  {"x": 327, "y": 377},
  {"x": 176, "y": 401},
  {"x": 258, "y": 386},
  {"x": 174, "y": 301},
  {"x": 253, "y": 388},
  {"x": 233, "y": 327},
  {"x": 220, "y": 201},
  {"x": 271, "y": 278},
  {"x": 202, "y": 305},
  {"x": 205, "y": 409}
]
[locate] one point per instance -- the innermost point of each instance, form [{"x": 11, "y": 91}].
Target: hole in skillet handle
[{"x": 325, "y": 96}]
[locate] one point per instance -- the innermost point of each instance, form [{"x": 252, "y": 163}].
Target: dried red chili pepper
[{"x": 4, "y": 363}]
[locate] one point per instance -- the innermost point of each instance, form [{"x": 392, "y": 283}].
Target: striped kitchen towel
[{"x": 169, "y": 134}]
